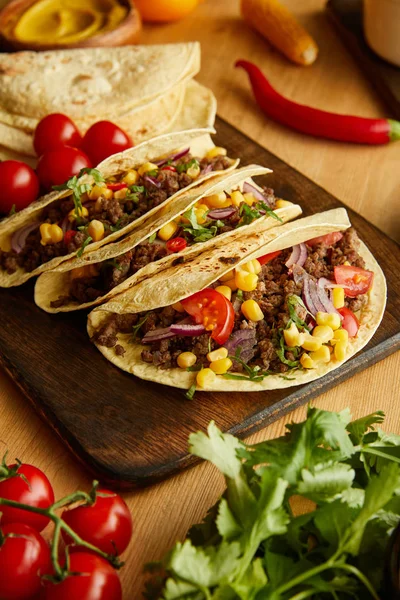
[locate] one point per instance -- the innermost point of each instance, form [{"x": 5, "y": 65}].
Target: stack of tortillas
[{"x": 146, "y": 90}]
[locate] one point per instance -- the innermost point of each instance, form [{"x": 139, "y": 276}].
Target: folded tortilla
[
  {"x": 184, "y": 280},
  {"x": 199, "y": 141},
  {"x": 54, "y": 284}
]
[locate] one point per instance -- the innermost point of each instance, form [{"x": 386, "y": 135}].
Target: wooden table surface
[{"x": 367, "y": 179}]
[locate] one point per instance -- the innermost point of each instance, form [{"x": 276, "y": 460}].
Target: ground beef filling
[
  {"x": 274, "y": 287},
  {"x": 114, "y": 213}
]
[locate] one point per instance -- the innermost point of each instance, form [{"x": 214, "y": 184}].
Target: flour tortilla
[
  {"x": 53, "y": 284},
  {"x": 199, "y": 141},
  {"x": 182, "y": 281}
]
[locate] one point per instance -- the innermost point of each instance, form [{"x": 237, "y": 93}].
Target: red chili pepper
[
  {"x": 313, "y": 121},
  {"x": 68, "y": 236},
  {"x": 168, "y": 168},
  {"x": 117, "y": 186}
]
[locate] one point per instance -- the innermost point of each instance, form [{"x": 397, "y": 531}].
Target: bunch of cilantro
[{"x": 251, "y": 546}]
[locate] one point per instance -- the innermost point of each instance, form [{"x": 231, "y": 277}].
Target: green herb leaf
[
  {"x": 281, "y": 352},
  {"x": 194, "y": 368},
  {"x": 82, "y": 248},
  {"x": 183, "y": 167},
  {"x": 191, "y": 392},
  {"x": 97, "y": 176},
  {"x": 152, "y": 173},
  {"x": 136, "y": 328},
  {"x": 199, "y": 232},
  {"x": 117, "y": 226},
  {"x": 152, "y": 237},
  {"x": 138, "y": 189},
  {"x": 292, "y": 302}
]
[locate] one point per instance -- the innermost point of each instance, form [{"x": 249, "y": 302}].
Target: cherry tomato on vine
[
  {"x": 19, "y": 185},
  {"x": 176, "y": 244},
  {"x": 29, "y": 485},
  {"x": 24, "y": 556},
  {"x": 57, "y": 166},
  {"x": 53, "y": 131},
  {"x": 106, "y": 524},
  {"x": 94, "y": 579},
  {"x": 104, "y": 139}
]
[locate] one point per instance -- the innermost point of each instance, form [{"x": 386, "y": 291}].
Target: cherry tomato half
[
  {"x": 94, "y": 579},
  {"x": 19, "y": 185},
  {"x": 354, "y": 280},
  {"x": 106, "y": 524},
  {"x": 214, "y": 311},
  {"x": 350, "y": 322},
  {"x": 104, "y": 139},
  {"x": 263, "y": 260},
  {"x": 57, "y": 166},
  {"x": 168, "y": 168},
  {"x": 329, "y": 239},
  {"x": 69, "y": 236},
  {"x": 24, "y": 556},
  {"x": 29, "y": 486},
  {"x": 176, "y": 244},
  {"x": 53, "y": 131}
]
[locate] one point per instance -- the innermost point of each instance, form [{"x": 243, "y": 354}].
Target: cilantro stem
[
  {"x": 304, "y": 576},
  {"x": 304, "y": 594},
  {"x": 357, "y": 573},
  {"x": 379, "y": 453}
]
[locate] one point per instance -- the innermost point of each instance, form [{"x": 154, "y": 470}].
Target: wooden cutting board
[{"x": 130, "y": 432}]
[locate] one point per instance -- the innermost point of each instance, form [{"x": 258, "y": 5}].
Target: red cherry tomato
[
  {"x": 350, "y": 322},
  {"x": 168, "y": 168},
  {"x": 263, "y": 260},
  {"x": 54, "y": 131},
  {"x": 57, "y": 166},
  {"x": 106, "y": 524},
  {"x": 24, "y": 556},
  {"x": 213, "y": 310},
  {"x": 354, "y": 280},
  {"x": 176, "y": 244},
  {"x": 69, "y": 236},
  {"x": 33, "y": 489},
  {"x": 19, "y": 185},
  {"x": 104, "y": 139},
  {"x": 117, "y": 186},
  {"x": 94, "y": 579},
  {"x": 329, "y": 239}
]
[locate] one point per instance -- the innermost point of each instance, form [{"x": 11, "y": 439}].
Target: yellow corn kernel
[
  {"x": 217, "y": 354},
  {"x": 291, "y": 335},
  {"x": 323, "y": 332},
  {"x": 251, "y": 310},
  {"x": 341, "y": 335},
  {"x": 249, "y": 198},
  {"x": 225, "y": 291},
  {"x": 202, "y": 206},
  {"x": 216, "y": 151},
  {"x": 257, "y": 266},
  {"x": 167, "y": 231},
  {"x": 306, "y": 361},
  {"x": 50, "y": 234},
  {"x": 205, "y": 377},
  {"x": 221, "y": 366},
  {"x": 347, "y": 263},
  {"x": 321, "y": 355},
  {"x": 311, "y": 343},
  {"x": 147, "y": 167},
  {"x": 248, "y": 266},
  {"x": 82, "y": 212},
  {"x": 330, "y": 319},
  {"x": 193, "y": 171},
  {"x": 178, "y": 307},
  {"x": 227, "y": 276},
  {"x": 246, "y": 281},
  {"x": 279, "y": 203},
  {"x": 131, "y": 177},
  {"x": 237, "y": 198},
  {"x": 120, "y": 194},
  {"x": 96, "y": 230},
  {"x": 200, "y": 215},
  {"x": 338, "y": 297},
  {"x": 231, "y": 283},
  {"x": 97, "y": 191},
  {"x": 85, "y": 271},
  {"x": 186, "y": 359},
  {"x": 216, "y": 200},
  {"x": 340, "y": 350}
]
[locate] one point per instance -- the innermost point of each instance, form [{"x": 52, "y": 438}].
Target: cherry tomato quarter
[
  {"x": 19, "y": 185},
  {"x": 53, "y": 131},
  {"x": 354, "y": 280},
  {"x": 93, "y": 579},
  {"x": 29, "y": 486},
  {"x": 57, "y": 166},
  {"x": 106, "y": 524},
  {"x": 350, "y": 322},
  {"x": 329, "y": 239},
  {"x": 24, "y": 556},
  {"x": 104, "y": 139},
  {"x": 214, "y": 311},
  {"x": 263, "y": 260},
  {"x": 176, "y": 244}
]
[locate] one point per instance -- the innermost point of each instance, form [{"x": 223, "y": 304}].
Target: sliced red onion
[
  {"x": 156, "y": 335},
  {"x": 326, "y": 300},
  {"x": 152, "y": 180},
  {"x": 66, "y": 224},
  {"x": 187, "y": 329},
  {"x": 299, "y": 274},
  {"x": 172, "y": 157},
  {"x": 247, "y": 187},
  {"x": 246, "y": 340},
  {"x": 316, "y": 299},
  {"x": 18, "y": 239},
  {"x": 298, "y": 256},
  {"x": 221, "y": 213},
  {"x": 237, "y": 303},
  {"x": 323, "y": 282},
  {"x": 207, "y": 169}
]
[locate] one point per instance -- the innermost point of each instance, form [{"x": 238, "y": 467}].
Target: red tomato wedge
[
  {"x": 263, "y": 260},
  {"x": 350, "y": 322},
  {"x": 354, "y": 280},
  {"x": 117, "y": 186},
  {"x": 176, "y": 244},
  {"x": 329, "y": 239},
  {"x": 69, "y": 236},
  {"x": 214, "y": 311},
  {"x": 168, "y": 168}
]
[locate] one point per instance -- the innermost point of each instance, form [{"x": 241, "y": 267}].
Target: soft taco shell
[
  {"x": 199, "y": 141},
  {"x": 179, "y": 282},
  {"x": 53, "y": 284}
]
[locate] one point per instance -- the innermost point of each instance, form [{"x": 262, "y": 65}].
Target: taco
[
  {"x": 206, "y": 216},
  {"x": 291, "y": 311},
  {"x": 106, "y": 203}
]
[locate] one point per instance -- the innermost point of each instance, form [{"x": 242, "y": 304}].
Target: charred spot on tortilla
[
  {"x": 229, "y": 260},
  {"x": 178, "y": 261}
]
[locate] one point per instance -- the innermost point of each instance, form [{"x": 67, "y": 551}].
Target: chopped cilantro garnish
[
  {"x": 152, "y": 237},
  {"x": 82, "y": 248},
  {"x": 183, "y": 167},
  {"x": 137, "y": 327},
  {"x": 239, "y": 294},
  {"x": 113, "y": 263},
  {"x": 263, "y": 206},
  {"x": 252, "y": 373},
  {"x": 97, "y": 176},
  {"x": 200, "y": 233},
  {"x": 117, "y": 226},
  {"x": 194, "y": 368},
  {"x": 191, "y": 392},
  {"x": 152, "y": 173},
  {"x": 292, "y": 302},
  {"x": 281, "y": 352},
  {"x": 77, "y": 190},
  {"x": 137, "y": 189},
  {"x": 251, "y": 213}
]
